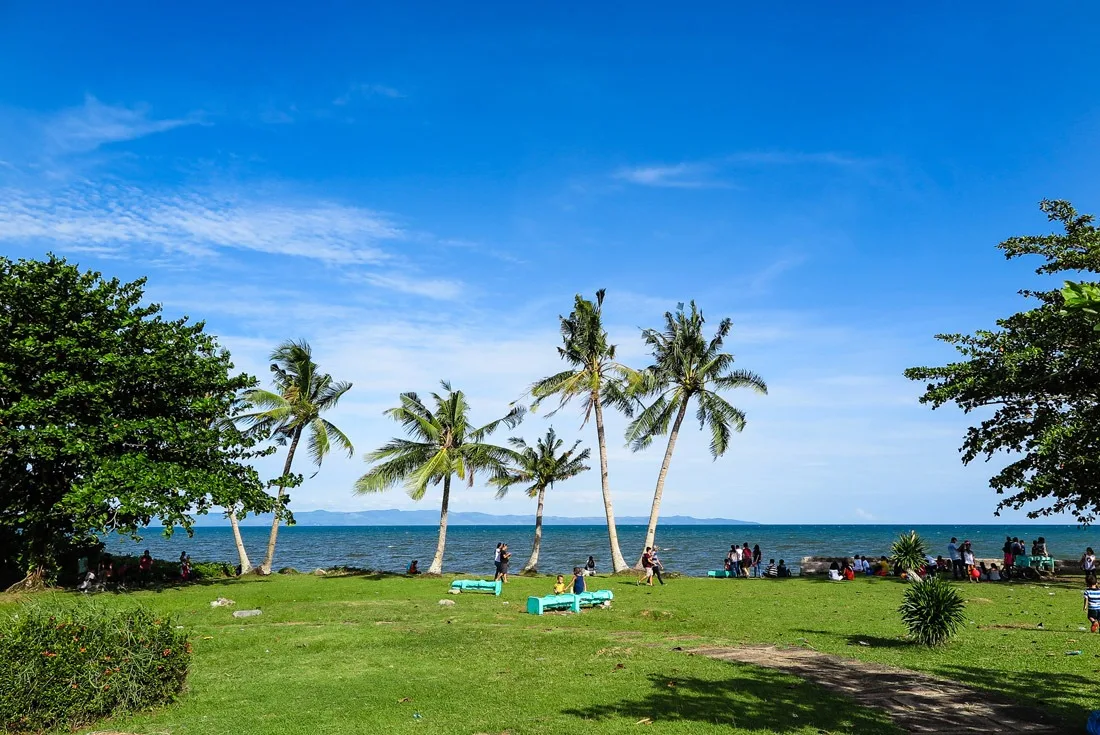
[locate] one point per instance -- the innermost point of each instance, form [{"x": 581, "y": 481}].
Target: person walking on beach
[
  {"x": 647, "y": 567},
  {"x": 956, "y": 559}
]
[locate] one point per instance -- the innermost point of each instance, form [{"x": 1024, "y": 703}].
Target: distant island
[{"x": 395, "y": 517}]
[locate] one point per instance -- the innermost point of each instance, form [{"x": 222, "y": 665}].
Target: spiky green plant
[
  {"x": 932, "y": 610},
  {"x": 908, "y": 552}
]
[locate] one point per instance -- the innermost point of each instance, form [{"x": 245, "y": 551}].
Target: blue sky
[{"x": 420, "y": 191}]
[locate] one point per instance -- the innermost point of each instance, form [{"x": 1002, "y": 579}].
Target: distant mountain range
[{"x": 431, "y": 518}]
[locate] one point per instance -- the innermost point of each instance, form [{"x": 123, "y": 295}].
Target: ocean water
[{"x": 691, "y": 550}]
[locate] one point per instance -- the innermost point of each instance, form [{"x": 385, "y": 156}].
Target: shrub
[
  {"x": 932, "y": 610},
  {"x": 68, "y": 666},
  {"x": 908, "y": 551}
]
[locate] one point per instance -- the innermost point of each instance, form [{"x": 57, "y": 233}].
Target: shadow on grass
[
  {"x": 1048, "y": 692},
  {"x": 753, "y": 698}
]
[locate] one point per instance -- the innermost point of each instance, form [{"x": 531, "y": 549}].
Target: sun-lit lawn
[{"x": 366, "y": 654}]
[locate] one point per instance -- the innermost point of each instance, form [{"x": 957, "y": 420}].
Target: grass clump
[
  {"x": 932, "y": 611},
  {"x": 66, "y": 666}
]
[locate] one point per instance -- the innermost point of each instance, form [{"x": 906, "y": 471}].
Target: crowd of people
[{"x": 104, "y": 573}]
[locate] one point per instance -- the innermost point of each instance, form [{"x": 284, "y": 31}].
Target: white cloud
[
  {"x": 195, "y": 223},
  {"x": 85, "y": 128},
  {"x": 366, "y": 90},
  {"x": 679, "y": 176},
  {"x": 433, "y": 288}
]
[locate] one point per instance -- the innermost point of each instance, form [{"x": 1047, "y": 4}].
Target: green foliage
[
  {"x": 686, "y": 366},
  {"x": 1038, "y": 371},
  {"x": 932, "y": 610},
  {"x": 302, "y": 393},
  {"x": 539, "y": 467},
  {"x": 111, "y": 417},
  {"x": 1082, "y": 297},
  {"x": 908, "y": 551},
  {"x": 65, "y": 667}
]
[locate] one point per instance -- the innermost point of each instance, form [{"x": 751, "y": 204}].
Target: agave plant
[
  {"x": 908, "y": 552},
  {"x": 932, "y": 610}
]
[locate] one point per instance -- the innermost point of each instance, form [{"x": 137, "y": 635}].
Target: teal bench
[
  {"x": 721, "y": 573},
  {"x": 477, "y": 585},
  {"x": 539, "y": 605},
  {"x": 596, "y": 597},
  {"x": 1045, "y": 563}
]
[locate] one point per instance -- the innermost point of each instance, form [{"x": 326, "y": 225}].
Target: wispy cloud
[
  {"x": 707, "y": 174},
  {"x": 195, "y": 223},
  {"x": 366, "y": 90},
  {"x": 87, "y": 127},
  {"x": 677, "y": 176},
  {"x": 441, "y": 289}
]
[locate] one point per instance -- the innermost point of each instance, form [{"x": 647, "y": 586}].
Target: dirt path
[{"x": 918, "y": 703}]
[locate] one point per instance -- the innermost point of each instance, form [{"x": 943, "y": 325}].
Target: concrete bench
[{"x": 477, "y": 585}]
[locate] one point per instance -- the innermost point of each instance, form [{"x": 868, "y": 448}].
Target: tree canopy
[
  {"x": 111, "y": 416},
  {"x": 1039, "y": 371}
]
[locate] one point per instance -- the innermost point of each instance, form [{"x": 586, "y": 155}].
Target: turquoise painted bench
[
  {"x": 477, "y": 585},
  {"x": 720, "y": 573},
  {"x": 596, "y": 597},
  {"x": 539, "y": 605}
]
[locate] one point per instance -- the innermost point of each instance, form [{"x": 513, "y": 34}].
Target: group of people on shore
[{"x": 105, "y": 574}]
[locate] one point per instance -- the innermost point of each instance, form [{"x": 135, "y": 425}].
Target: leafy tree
[
  {"x": 687, "y": 367},
  {"x": 1083, "y": 298},
  {"x": 539, "y": 467},
  {"x": 1040, "y": 372},
  {"x": 109, "y": 416},
  {"x": 444, "y": 444},
  {"x": 302, "y": 393},
  {"x": 595, "y": 378}
]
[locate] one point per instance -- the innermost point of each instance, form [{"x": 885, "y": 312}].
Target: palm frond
[{"x": 652, "y": 422}]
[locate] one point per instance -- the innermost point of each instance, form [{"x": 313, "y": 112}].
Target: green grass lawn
[{"x": 368, "y": 654}]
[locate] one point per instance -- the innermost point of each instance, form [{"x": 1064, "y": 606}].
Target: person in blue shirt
[
  {"x": 1092, "y": 602},
  {"x": 578, "y": 580}
]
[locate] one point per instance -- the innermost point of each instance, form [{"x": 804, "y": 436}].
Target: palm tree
[
  {"x": 302, "y": 393},
  {"x": 687, "y": 366},
  {"x": 539, "y": 467},
  {"x": 443, "y": 445},
  {"x": 596, "y": 378}
]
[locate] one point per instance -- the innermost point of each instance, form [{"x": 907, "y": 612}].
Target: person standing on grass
[
  {"x": 658, "y": 567},
  {"x": 757, "y": 561},
  {"x": 505, "y": 556},
  {"x": 956, "y": 559},
  {"x": 496, "y": 563},
  {"x": 1092, "y": 602},
  {"x": 746, "y": 560},
  {"x": 647, "y": 567},
  {"x": 578, "y": 580},
  {"x": 1088, "y": 562},
  {"x": 731, "y": 559}
]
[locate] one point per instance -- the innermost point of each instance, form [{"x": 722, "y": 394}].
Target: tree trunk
[
  {"x": 269, "y": 559},
  {"x": 655, "y": 511},
  {"x": 34, "y": 581},
  {"x": 437, "y": 561},
  {"x": 246, "y": 565},
  {"x": 618, "y": 564},
  {"x": 533, "y": 562}
]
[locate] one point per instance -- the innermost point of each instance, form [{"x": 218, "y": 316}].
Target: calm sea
[{"x": 687, "y": 549}]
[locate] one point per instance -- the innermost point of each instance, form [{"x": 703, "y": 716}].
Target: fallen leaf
[
  {"x": 403, "y": 699},
  {"x": 644, "y": 721}
]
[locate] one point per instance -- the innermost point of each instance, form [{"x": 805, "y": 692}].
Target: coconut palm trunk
[
  {"x": 269, "y": 558},
  {"x": 437, "y": 560},
  {"x": 618, "y": 564},
  {"x": 533, "y": 563},
  {"x": 246, "y": 565},
  {"x": 655, "y": 510}
]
